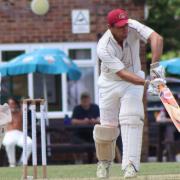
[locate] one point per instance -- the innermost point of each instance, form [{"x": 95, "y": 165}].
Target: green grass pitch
[{"x": 149, "y": 171}]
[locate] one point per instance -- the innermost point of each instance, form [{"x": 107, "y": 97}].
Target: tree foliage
[{"x": 164, "y": 18}]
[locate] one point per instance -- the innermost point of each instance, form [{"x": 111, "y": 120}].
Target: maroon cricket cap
[{"x": 117, "y": 17}]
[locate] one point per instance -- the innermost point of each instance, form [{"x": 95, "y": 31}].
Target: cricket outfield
[{"x": 149, "y": 171}]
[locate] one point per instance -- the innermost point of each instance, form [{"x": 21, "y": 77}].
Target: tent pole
[{"x": 46, "y": 112}]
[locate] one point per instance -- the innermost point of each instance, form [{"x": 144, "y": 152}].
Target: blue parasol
[
  {"x": 172, "y": 66},
  {"x": 46, "y": 61}
]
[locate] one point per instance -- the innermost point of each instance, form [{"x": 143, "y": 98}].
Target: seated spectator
[
  {"x": 162, "y": 116},
  {"x": 86, "y": 113},
  {"x": 14, "y": 135},
  {"x": 170, "y": 134}
]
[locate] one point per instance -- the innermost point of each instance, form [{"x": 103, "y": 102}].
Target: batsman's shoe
[
  {"x": 130, "y": 171},
  {"x": 103, "y": 169}
]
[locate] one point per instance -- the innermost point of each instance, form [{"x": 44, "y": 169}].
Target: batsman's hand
[
  {"x": 157, "y": 71},
  {"x": 153, "y": 87}
]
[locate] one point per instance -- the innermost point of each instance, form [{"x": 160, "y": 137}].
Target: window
[
  {"x": 80, "y": 54},
  {"x": 53, "y": 86},
  {"x": 13, "y": 85},
  {"x": 76, "y": 88},
  {"x": 8, "y": 55}
]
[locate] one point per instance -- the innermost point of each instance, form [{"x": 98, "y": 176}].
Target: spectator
[
  {"x": 170, "y": 133},
  {"x": 14, "y": 134},
  {"x": 86, "y": 113}
]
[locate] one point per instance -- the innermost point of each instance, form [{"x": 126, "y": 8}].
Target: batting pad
[
  {"x": 105, "y": 142},
  {"x": 132, "y": 142}
]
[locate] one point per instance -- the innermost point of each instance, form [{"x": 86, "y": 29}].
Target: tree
[{"x": 164, "y": 17}]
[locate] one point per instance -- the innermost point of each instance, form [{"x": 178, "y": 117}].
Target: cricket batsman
[{"x": 121, "y": 85}]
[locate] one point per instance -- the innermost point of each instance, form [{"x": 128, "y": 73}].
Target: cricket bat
[{"x": 170, "y": 105}]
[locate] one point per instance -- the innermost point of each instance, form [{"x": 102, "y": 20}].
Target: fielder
[{"x": 121, "y": 85}]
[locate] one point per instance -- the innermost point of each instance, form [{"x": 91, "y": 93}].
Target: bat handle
[{"x": 161, "y": 87}]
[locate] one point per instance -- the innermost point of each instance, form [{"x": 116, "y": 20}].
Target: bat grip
[{"x": 161, "y": 87}]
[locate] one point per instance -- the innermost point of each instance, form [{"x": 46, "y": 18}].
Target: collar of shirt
[{"x": 125, "y": 43}]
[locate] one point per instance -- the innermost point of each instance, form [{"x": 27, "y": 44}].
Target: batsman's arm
[
  {"x": 131, "y": 77},
  {"x": 147, "y": 34},
  {"x": 156, "y": 42}
]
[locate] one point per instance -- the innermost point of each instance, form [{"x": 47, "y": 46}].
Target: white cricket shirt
[{"x": 115, "y": 58}]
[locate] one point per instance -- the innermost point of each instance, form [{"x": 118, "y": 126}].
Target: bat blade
[{"x": 170, "y": 105}]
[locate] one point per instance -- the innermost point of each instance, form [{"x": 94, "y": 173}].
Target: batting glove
[
  {"x": 153, "y": 88},
  {"x": 157, "y": 71}
]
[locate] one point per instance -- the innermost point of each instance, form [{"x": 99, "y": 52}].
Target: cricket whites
[{"x": 170, "y": 104}]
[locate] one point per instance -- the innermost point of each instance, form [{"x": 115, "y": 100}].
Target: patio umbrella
[
  {"x": 45, "y": 61},
  {"x": 172, "y": 66}
]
